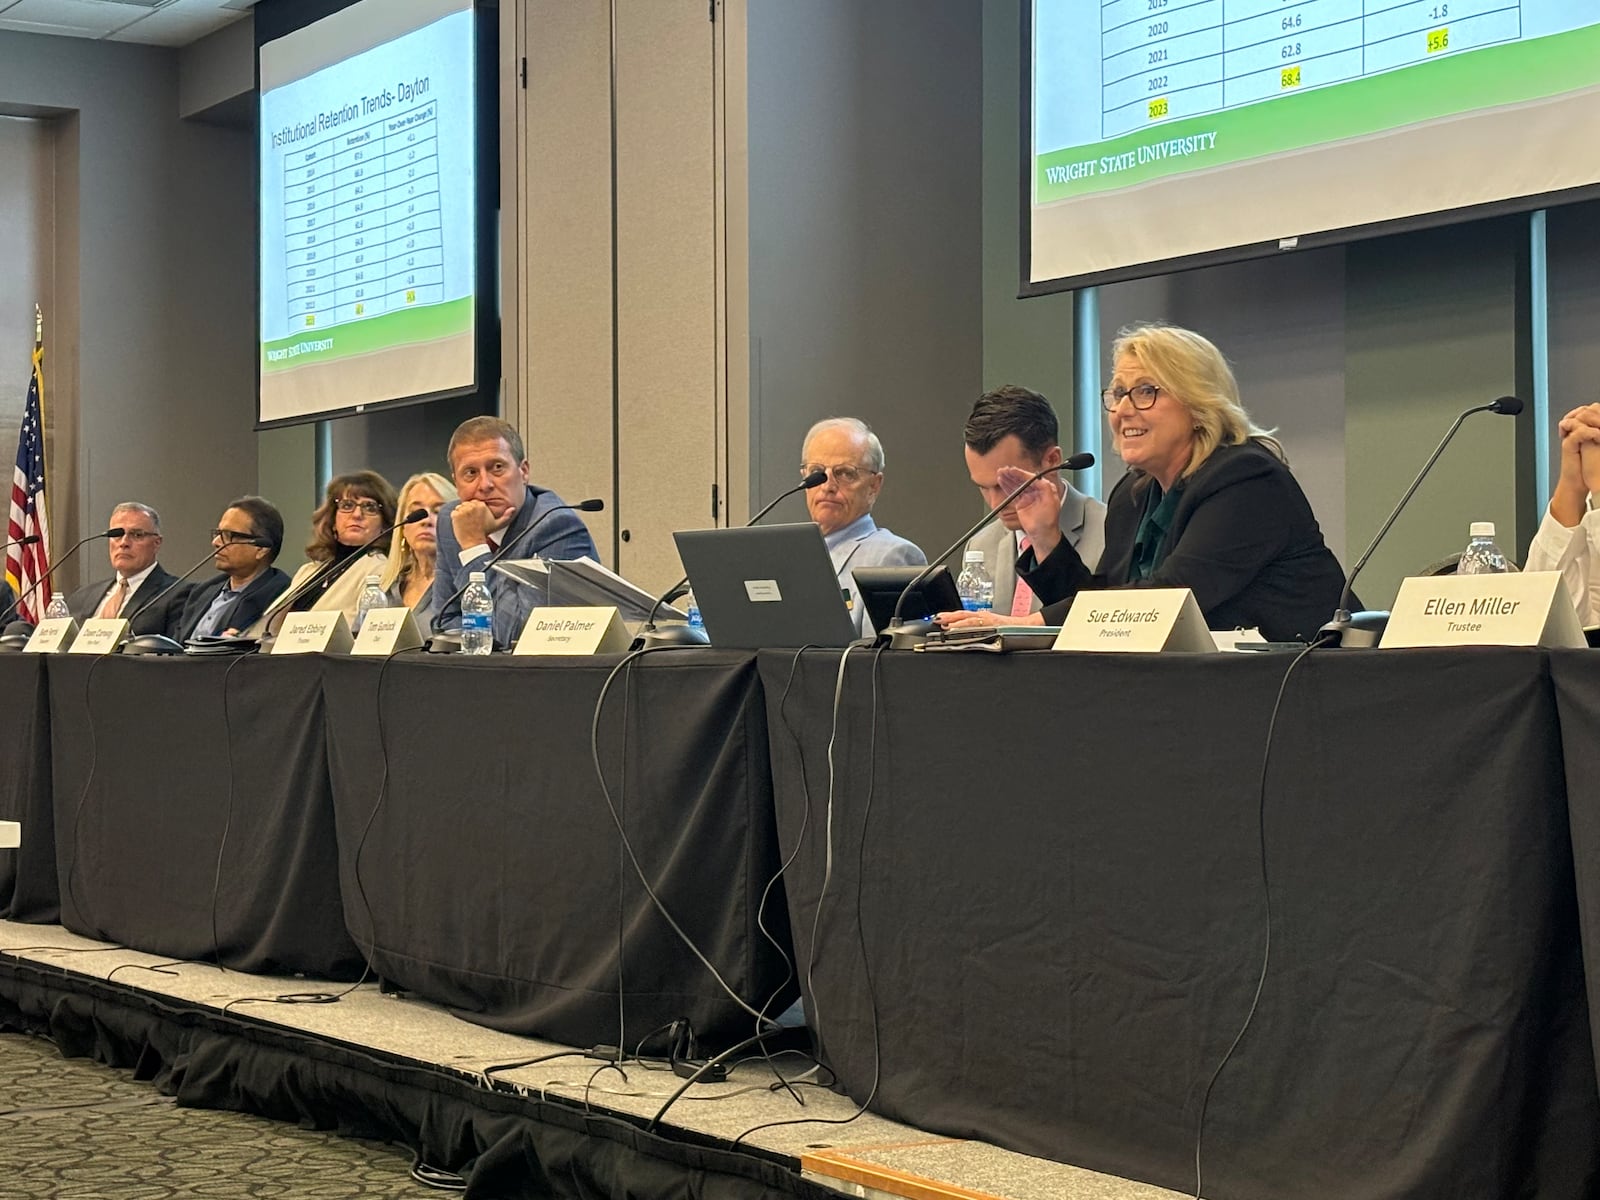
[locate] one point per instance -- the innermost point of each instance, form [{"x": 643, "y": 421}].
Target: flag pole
[{"x": 44, "y": 449}]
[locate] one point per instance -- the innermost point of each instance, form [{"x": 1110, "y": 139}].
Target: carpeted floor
[{"x": 71, "y": 1129}]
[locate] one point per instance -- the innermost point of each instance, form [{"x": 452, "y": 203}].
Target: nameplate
[
  {"x": 51, "y": 636},
  {"x": 100, "y": 635},
  {"x": 313, "y": 633},
  {"x": 1135, "y": 620},
  {"x": 573, "y": 631},
  {"x": 1527, "y": 609},
  {"x": 387, "y": 631},
  {"x": 10, "y": 835}
]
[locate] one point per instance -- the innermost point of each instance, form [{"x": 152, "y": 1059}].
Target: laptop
[
  {"x": 765, "y": 585},
  {"x": 879, "y": 589}
]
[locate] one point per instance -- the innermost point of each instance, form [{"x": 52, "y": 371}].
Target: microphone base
[
  {"x": 671, "y": 637},
  {"x": 13, "y": 643},
  {"x": 908, "y": 635},
  {"x": 1355, "y": 631},
  {"x": 151, "y": 643}
]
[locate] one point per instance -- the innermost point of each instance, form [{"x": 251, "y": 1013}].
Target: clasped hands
[{"x": 1580, "y": 464}]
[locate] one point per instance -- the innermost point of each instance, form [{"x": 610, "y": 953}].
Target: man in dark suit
[
  {"x": 138, "y": 577},
  {"x": 247, "y": 540},
  {"x": 498, "y": 507}
]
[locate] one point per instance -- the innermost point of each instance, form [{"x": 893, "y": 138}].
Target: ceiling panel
[{"x": 156, "y": 22}]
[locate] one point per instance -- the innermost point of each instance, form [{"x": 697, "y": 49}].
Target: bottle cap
[
  {"x": 374, "y": 580},
  {"x": 476, "y": 577},
  {"x": 1481, "y": 529},
  {"x": 973, "y": 556}
]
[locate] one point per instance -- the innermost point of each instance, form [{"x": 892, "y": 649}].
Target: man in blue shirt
[
  {"x": 852, "y": 456},
  {"x": 498, "y": 509}
]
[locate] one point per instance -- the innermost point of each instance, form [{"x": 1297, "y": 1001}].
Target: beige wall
[{"x": 152, "y": 335}]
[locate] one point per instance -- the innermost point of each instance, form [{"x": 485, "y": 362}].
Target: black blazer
[
  {"x": 244, "y": 612},
  {"x": 158, "y": 618},
  {"x": 1243, "y": 539}
]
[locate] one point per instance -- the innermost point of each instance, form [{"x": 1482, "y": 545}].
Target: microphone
[
  {"x": 160, "y": 643},
  {"x": 115, "y": 531},
  {"x": 590, "y": 505},
  {"x": 1365, "y": 628},
  {"x": 901, "y": 633},
  {"x": 335, "y": 567},
  {"x": 30, "y": 540},
  {"x": 684, "y": 635}
]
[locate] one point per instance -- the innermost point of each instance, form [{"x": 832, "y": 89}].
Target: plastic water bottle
[
  {"x": 372, "y": 596},
  {"x": 477, "y": 617},
  {"x": 1482, "y": 556},
  {"x": 57, "y": 607},
  {"x": 692, "y": 607},
  {"x": 974, "y": 583}
]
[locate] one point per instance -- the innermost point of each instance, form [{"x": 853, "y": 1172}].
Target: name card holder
[
  {"x": 573, "y": 631},
  {"x": 386, "y": 631},
  {"x": 1527, "y": 609},
  {"x": 313, "y": 633},
  {"x": 1136, "y": 620},
  {"x": 53, "y": 635},
  {"x": 100, "y": 635}
]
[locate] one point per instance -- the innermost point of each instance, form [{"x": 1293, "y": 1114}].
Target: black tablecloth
[
  {"x": 193, "y": 811},
  {"x": 1044, "y": 920},
  {"x": 488, "y": 875},
  {"x": 1576, "y": 674},
  {"x": 28, "y": 873}
]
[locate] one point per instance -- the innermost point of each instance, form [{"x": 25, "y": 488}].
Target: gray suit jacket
[
  {"x": 1083, "y": 524},
  {"x": 867, "y": 545}
]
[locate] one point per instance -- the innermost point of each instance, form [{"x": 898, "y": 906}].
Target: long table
[
  {"x": 28, "y": 889},
  {"x": 1042, "y": 915},
  {"x": 193, "y": 811},
  {"x": 484, "y": 870},
  {"x": 1042, "y": 919}
]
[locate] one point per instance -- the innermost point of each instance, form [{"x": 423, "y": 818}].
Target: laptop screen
[{"x": 765, "y": 585}]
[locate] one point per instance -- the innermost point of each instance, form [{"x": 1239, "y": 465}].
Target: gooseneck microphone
[
  {"x": 115, "y": 531},
  {"x": 683, "y": 635},
  {"x": 31, "y": 539},
  {"x": 899, "y": 630},
  {"x": 160, "y": 643},
  {"x": 590, "y": 505},
  {"x": 1365, "y": 628},
  {"x": 333, "y": 568}
]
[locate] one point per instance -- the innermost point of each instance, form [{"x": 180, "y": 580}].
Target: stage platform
[{"x": 393, "y": 1068}]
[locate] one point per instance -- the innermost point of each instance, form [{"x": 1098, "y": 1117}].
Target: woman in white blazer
[{"x": 357, "y": 507}]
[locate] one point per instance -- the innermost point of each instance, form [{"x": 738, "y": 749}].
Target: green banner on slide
[
  {"x": 425, "y": 323},
  {"x": 1493, "y": 77}
]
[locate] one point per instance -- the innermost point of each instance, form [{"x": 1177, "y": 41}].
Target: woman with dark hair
[{"x": 357, "y": 507}]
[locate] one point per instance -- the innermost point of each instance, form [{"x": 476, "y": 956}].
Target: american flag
[{"x": 26, "y": 565}]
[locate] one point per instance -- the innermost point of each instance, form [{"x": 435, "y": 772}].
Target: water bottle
[
  {"x": 477, "y": 617},
  {"x": 975, "y": 584},
  {"x": 692, "y": 607},
  {"x": 57, "y": 607},
  {"x": 372, "y": 596},
  {"x": 1482, "y": 556}
]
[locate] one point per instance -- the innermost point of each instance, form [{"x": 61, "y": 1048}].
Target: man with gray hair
[
  {"x": 138, "y": 576},
  {"x": 852, "y": 456}
]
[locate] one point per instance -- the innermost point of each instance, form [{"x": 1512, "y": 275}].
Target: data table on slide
[
  {"x": 1162, "y": 59},
  {"x": 362, "y": 226}
]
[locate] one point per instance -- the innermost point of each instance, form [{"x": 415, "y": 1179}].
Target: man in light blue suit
[
  {"x": 852, "y": 456},
  {"x": 1012, "y": 426},
  {"x": 498, "y": 507}
]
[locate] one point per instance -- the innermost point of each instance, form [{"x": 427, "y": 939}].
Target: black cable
[
  {"x": 489, "y": 1072},
  {"x": 1266, "y": 895},
  {"x": 861, "y": 936},
  {"x": 633, "y": 858},
  {"x": 705, "y": 1068},
  {"x": 383, "y": 792},
  {"x": 227, "y": 818},
  {"x": 158, "y": 968}
]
